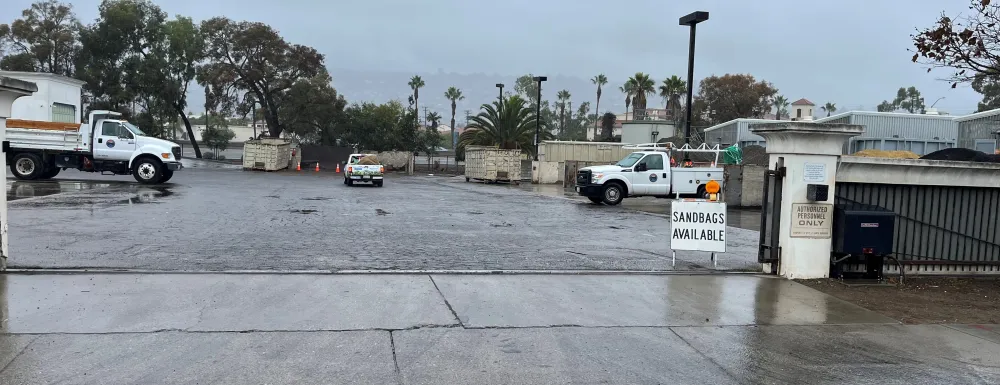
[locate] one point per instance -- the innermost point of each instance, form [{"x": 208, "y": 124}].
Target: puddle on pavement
[
  {"x": 301, "y": 211},
  {"x": 30, "y": 189},
  {"x": 152, "y": 194},
  {"x": 84, "y": 193},
  {"x": 317, "y": 199}
]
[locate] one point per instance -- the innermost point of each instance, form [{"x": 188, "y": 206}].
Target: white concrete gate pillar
[
  {"x": 810, "y": 152},
  {"x": 10, "y": 89}
]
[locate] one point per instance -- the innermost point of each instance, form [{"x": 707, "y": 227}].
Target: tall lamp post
[
  {"x": 692, "y": 19},
  {"x": 500, "y": 86},
  {"x": 538, "y": 109}
]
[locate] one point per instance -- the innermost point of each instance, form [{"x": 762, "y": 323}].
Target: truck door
[
  {"x": 113, "y": 142},
  {"x": 651, "y": 177}
]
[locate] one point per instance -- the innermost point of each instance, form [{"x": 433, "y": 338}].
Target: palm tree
[
  {"x": 510, "y": 125},
  {"x": 416, "y": 83},
  {"x": 453, "y": 94},
  {"x": 563, "y": 97},
  {"x": 780, "y": 103},
  {"x": 627, "y": 90},
  {"x": 434, "y": 118},
  {"x": 600, "y": 80},
  {"x": 642, "y": 86},
  {"x": 670, "y": 91},
  {"x": 830, "y": 108}
]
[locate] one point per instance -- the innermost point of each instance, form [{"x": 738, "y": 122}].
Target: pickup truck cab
[
  {"x": 356, "y": 172},
  {"x": 648, "y": 171},
  {"x": 108, "y": 144}
]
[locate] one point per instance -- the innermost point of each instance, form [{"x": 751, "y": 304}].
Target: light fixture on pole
[
  {"x": 500, "y": 86},
  {"x": 692, "y": 19},
  {"x": 538, "y": 109}
]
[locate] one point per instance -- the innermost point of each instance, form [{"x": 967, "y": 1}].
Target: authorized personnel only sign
[{"x": 698, "y": 226}]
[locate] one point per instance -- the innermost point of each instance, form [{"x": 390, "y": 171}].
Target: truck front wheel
[
  {"x": 27, "y": 166},
  {"x": 167, "y": 174},
  {"x": 147, "y": 170},
  {"x": 613, "y": 194}
]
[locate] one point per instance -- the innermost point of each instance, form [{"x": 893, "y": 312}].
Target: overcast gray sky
[{"x": 850, "y": 52}]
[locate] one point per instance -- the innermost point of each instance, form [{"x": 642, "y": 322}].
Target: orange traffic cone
[
  {"x": 338, "y": 167},
  {"x": 298, "y": 167},
  {"x": 317, "y": 166}
]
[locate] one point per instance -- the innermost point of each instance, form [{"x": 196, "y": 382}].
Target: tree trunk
[
  {"x": 190, "y": 132},
  {"x": 452, "y": 138},
  {"x": 597, "y": 114}
]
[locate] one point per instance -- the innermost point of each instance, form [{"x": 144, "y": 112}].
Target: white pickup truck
[
  {"x": 355, "y": 172},
  {"x": 648, "y": 172},
  {"x": 108, "y": 144}
]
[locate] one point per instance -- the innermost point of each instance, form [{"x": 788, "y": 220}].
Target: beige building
[{"x": 802, "y": 109}]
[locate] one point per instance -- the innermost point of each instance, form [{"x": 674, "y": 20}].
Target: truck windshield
[
  {"x": 630, "y": 160},
  {"x": 134, "y": 129}
]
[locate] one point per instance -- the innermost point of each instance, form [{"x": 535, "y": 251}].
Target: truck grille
[
  {"x": 583, "y": 177},
  {"x": 176, "y": 151}
]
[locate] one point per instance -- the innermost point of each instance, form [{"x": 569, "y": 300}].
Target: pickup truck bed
[{"x": 45, "y": 135}]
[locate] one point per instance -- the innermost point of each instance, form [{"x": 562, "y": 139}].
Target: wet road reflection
[{"x": 62, "y": 193}]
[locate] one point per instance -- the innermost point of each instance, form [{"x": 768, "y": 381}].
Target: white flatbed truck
[
  {"x": 108, "y": 145},
  {"x": 648, "y": 172}
]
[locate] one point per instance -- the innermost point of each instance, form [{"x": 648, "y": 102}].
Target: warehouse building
[
  {"x": 919, "y": 133},
  {"x": 980, "y": 131}
]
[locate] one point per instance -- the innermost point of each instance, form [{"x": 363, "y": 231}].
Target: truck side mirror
[{"x": 641, "y": 167}]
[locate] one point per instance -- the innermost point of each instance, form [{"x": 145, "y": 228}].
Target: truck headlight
[{"x": 596, "y": 177}]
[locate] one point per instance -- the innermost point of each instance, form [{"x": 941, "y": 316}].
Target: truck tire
[
  {"x": 27, "y": 166},
  {"x": 167, "y": 174},
  {"x": 613, "y": 193},
  {"x": 350, "y": 182},
  {"x": 51, "y": 172},
  {"x": 147, "y": 170},
  {"x": 378, "y": 184},
  {"x": 596, "y": 200}
]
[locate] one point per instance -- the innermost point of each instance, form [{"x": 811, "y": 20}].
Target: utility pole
[{"x": 425, "y": 116}]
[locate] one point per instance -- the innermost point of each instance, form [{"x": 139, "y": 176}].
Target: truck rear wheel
[
  {"x": 147, "y": 170},
  {"x": 27, "y": 166},
  {"x": 51, "y": 172},
  {"x": 613, "y": 194}
]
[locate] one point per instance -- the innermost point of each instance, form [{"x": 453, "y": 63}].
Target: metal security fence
[{"x": 939, "y": 229}]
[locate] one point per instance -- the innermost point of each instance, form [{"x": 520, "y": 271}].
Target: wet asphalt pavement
[{"x": 218, "y": 219}]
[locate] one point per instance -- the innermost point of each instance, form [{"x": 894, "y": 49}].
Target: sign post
[{"x": 697, "y": 225}]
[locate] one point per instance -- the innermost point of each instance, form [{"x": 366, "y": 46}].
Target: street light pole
[
  {"x": 500, "y": 86},
  {"x": 538, "y": 110},
  {"x": 692, "y": 19}
]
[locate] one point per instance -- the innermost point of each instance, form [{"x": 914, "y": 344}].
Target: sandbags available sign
[{"x": 698, "y": 226}]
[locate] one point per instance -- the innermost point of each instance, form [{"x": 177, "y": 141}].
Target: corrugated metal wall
[
  {"x": 939, "y": 229},
  {"x": 906, "y": 126},
  {"x": 982, "y": 128},
  {"x": 744, "y": 130},
  {"x": 583, "y": 151}
]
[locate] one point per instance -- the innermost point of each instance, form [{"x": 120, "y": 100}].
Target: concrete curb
[{"x": 384, "y": 272}]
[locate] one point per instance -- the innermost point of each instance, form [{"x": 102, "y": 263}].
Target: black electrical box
[
  {"x": 817, "y": 192},
  {"x": 860, "y": 229}
]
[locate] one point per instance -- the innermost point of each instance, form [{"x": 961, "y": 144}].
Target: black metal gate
[{"x": 770, "y": 216}]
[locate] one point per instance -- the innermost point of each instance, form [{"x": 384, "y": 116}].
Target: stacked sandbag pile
[{"x": 369, "y": 160}]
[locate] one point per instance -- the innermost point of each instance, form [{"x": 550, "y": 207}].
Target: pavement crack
[
  {"x": 688, "y": 343},
  {"x": 16, "y": 356},
  {"x": 446, "y": 303},
  {"x": 395, "y": 362}
]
